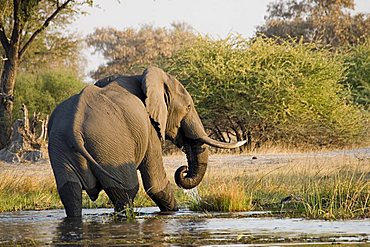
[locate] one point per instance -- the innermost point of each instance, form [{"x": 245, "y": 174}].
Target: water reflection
[
  {"x": 107, "y": 229},
  {"x": 68, "y": 231},
  {"x": 100, "y": 227}
]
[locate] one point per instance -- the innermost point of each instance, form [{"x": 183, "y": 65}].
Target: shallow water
[{"x": 100, "y": 227}]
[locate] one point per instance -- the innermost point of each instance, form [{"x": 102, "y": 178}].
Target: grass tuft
[{"x": 228, "y": 196}]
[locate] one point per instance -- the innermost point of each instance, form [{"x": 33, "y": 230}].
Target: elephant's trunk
[
  {"x": 195, "y": 147},
  {"x": 190, "y": 176}
]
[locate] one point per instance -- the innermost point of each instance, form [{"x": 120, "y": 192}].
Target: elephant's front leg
[{"x": 155, "y": 181}]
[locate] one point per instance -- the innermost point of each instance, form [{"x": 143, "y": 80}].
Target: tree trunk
[{"x": 6, "y": 97}]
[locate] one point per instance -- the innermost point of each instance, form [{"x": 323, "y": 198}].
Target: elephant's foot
[
  {"x": 71, "y": 195},
  {"x": 121, "y": 198},
  {"x": 164, "y": 199}
]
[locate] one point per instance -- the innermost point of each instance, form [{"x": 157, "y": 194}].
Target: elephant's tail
[{"x": 99, "y": 172}]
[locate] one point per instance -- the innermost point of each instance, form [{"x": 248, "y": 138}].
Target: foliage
[
  {"x": 42, "y": 92},
  {"x": 326, "y": 22},
  {"x": 21, "y": 24},
  {"x": 129, "y": 51},
  {"x": 50, "y": 46},
  {"x": 267, "y": 91},
  {"x": 358, "y": 73},
  {"x": 53, "y": 50}
]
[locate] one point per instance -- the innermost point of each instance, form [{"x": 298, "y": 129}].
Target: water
[{"x": 100, "y": 227}]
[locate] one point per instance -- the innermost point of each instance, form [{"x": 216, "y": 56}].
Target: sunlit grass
[
  {"x": 228, "y": 196},
  {"x": 21, "y": 191},
  {"x": 313, "y": 188},
  {"x": 345, "y": 194}
]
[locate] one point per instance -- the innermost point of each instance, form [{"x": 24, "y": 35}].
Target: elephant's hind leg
[
  {"x": 121, "y": 198},
  {"x": 123, "y": 194},
  {"x": 68, "y": 183},
  {"x": 71, "y": 195}
]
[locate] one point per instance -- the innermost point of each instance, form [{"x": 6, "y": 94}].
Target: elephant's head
[{"x": 172, "y": 111}]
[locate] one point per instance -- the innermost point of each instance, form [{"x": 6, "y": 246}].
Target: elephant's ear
[{"x": 153, "y": 86}]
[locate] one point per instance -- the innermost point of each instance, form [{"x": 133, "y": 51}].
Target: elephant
[{"x": 99, "y": 138}]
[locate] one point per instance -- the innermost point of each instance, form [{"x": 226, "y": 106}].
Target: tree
[
  {"x": 21, "y": 23},
  {"x": 42, "y": 92},
  {"x": 269, "y": 91},
  {"x": 328, "y": 22},
  {"x": 53, "y": 50},
  {"x": 129, "y": 51}
]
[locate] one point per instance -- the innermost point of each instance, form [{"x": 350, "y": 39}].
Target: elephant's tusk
[{"x": 218, "y": 144}]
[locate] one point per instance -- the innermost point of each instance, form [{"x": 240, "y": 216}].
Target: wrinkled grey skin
[{"x": 99, "y": 138}]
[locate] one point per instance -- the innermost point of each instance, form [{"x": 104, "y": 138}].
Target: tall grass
[
  {"x": 22, "y": 191},
  {"x": 228, "y": 196},
  {"x": 312, "y": 188},
  {"x": 345, "y": 194}
]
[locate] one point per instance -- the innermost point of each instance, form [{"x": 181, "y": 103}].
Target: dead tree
[{"x": 28, "y": 139}]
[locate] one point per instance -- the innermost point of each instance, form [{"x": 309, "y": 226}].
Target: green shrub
[
  {"x": 358, "y": 76},
  {"x": 42, "y": 92},
  {"x": 270, "y": 92}
]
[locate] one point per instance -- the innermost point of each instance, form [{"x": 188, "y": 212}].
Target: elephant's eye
[{"x": 188, "y": 108}]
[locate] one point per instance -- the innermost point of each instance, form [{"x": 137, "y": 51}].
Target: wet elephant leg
[
  {"x": 121, "y": 198},
  {"x": 155, "y": 180},
  {"x": 123, "y": 194},
  {"x": 158, "y": 187},
  {"x": 68, "y": 183},
  {"x": 71, "y": 195},
  {"x": 164, "y": 198}
]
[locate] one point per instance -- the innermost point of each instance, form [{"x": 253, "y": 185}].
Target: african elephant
[{"x": 99, "y": 138}]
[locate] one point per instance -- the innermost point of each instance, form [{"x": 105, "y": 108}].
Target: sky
[{"x": 217, "y": 18}]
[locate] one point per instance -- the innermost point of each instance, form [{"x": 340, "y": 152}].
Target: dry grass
[
  {"x": 18, "y": 191},
  {"x": 22, "y": 188},
  {"x": 312, "y": 187}
]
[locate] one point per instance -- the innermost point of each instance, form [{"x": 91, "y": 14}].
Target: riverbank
[{"x": 327, "y": 185}]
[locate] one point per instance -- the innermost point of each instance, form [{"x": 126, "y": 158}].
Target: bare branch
[
  {"x": 3, "y": 39},
  {"x": 45, "y": 25},
  {"x": 14, "y": 39}
]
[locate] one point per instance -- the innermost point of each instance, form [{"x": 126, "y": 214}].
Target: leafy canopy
[
  {"x": 270, "y": 91},
  {"x": 130, "y": 51},
  {"x": 326, "y": 22},
  {"x": 357, "y": 59},
  {"x": 42, "y": 92}
]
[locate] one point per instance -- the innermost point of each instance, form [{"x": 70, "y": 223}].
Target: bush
[
  {"x": 42, "y": 92},
  {"x": 270, "y": 92},
  {"x": 358, "y": 73}
]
